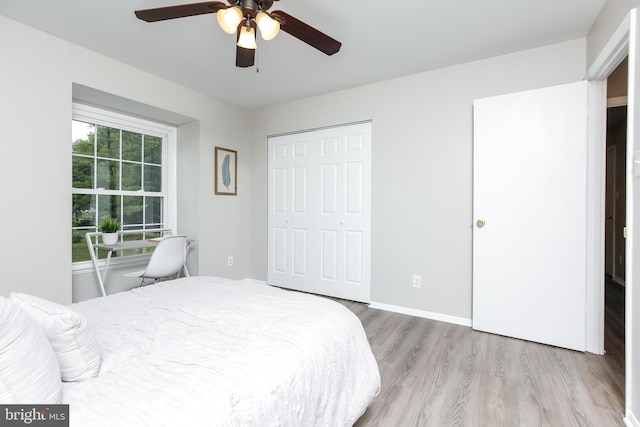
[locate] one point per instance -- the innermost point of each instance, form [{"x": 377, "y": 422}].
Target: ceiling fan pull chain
[{"x": 257, "y": 60}]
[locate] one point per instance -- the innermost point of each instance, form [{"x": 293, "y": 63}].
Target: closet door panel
[{"x": 320, "y": 211}]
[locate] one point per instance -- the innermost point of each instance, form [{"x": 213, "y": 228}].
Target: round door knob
[
  {"x": 342, "y": 221},
  {"x": 480, "y": 223}
]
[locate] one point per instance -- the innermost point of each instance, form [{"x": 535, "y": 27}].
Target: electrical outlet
[
  {"x": 417, "y": 281},
  {"x": 230, "y": 261}
]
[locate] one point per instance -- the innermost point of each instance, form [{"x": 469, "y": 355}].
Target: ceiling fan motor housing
[{"x": 252, "y": 7}]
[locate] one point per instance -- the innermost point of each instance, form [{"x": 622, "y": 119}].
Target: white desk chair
[{"x": 167, "y": 259}]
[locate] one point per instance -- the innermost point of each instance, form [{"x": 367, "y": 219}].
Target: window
[{"x": 124, "y": 168}]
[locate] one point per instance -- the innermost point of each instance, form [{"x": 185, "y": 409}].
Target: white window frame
[{"x": 99, "y": 116}]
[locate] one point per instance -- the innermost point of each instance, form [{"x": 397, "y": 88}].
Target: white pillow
[
  {"x": 69, "y": 333},
  {"x": 29, "y": 371}
]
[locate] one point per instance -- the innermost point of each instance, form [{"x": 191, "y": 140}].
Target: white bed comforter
[{"x": 205, "y": 351}]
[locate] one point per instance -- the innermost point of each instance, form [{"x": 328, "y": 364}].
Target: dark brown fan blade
[
  {"x": 179, "y": 11},
  {"x": 245, "y": 57},
  {"x": 307, "y": 33}
]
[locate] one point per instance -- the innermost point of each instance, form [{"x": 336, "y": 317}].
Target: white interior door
[
  {"x": 529, "y": 255},
  {"x": 319, "y": 188}
]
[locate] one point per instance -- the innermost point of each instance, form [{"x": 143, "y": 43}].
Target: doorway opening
[{"x": 615, "y": 217}]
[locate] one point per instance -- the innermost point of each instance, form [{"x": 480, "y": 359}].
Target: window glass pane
[
  {"x": 152, "y": 235},
  {"x": 83, "y": 213},
  {"x": 102, "y": 254},
  {"x": 132, "y": 210},
  {"x": 108, "y": 174},
  {"x": 152, "y": 149},
  {"x": 131, "y": 176},
  {"x": 152, "y": 178},
  {"x": 130, "y": 237},
  {"x": 108, "y": 207},
  {"x": 153, "y": 210},
  {"x": 82, "y": 137},
  {"x": 79, "y": 248},
  {"x": 113, "y": 160},
  {"x": 131, "y": 146},
  {"x": 82, "y": 172},
  {"x": 108, "y": 142}
]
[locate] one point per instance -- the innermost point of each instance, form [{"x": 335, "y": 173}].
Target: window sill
[{"x": 84, "y": 267}]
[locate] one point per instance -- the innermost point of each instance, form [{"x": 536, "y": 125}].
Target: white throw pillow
[
  {"x": 69, "y": 333},
  {"x": 29, "y": 371}
]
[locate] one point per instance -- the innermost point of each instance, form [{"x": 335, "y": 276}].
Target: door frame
[
  {"x": 609, "y": 58},
  {"x": 615, "y": 50}
]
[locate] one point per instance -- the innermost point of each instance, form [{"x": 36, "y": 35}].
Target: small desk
[{"x": 130, "y": 244}]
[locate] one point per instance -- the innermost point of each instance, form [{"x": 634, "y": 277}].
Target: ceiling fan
[{"x": 242, "y": 17}]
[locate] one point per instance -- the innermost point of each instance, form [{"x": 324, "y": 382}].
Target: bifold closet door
[{"x": 319, "y": 221}]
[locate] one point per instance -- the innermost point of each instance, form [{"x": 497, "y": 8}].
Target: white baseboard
[
  {"x": 404, "y": 310},
  {"x": 631, "y": 420},
  {"x": 421, "y": 313}
]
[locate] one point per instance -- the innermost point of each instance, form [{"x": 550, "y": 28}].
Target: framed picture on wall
[{"x": 226, "y": 180}]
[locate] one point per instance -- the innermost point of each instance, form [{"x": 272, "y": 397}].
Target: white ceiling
[{"x": 380, "y": 40}]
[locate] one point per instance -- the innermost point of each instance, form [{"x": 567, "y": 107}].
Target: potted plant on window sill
[{"x": 109, "y": 228}]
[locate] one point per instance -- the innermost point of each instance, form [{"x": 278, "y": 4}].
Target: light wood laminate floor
[{"x": 440, "y": 374}]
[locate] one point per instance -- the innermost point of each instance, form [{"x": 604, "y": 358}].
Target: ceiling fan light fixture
[
  {"x": 229, "y": 19},
  {"x": 247, "y": 37},
  {"x": 239, "y": 17},
  {"x": 269, "y": 27}
]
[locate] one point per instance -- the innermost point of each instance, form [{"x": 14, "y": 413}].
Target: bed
[{"x": 217, "y": 352}]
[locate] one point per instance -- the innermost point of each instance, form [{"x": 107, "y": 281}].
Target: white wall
[
  {"x": 421, "y": 158},
  {"x": 189, "y": 193},
  {"x": 422, "y": 168},
  {"x": 36, "y": 79},
  {"x": 608, "y": 20}
]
